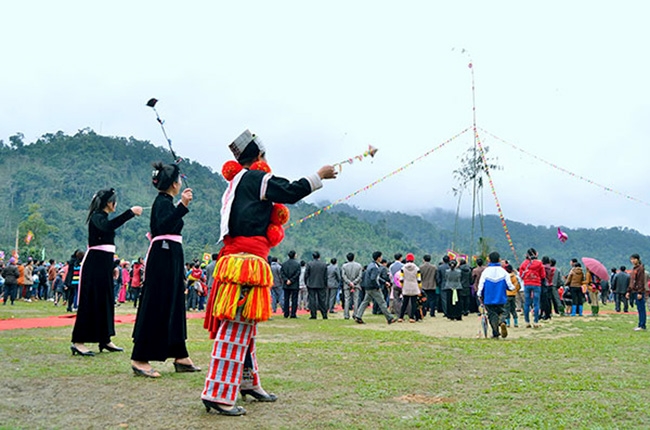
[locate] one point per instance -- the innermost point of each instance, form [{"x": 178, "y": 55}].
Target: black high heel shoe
[
  {"x": 110, "y": 348},
  {"x": 146, "y": 373},
  {"x": 258, "y": 396},
  {"x": 185, "y": 368},
  {"x": 234, "y": 412},
  {"x": 76, "y": 351}
]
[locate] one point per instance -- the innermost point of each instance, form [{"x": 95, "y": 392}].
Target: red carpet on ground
[{"x": 68, "y": 320}]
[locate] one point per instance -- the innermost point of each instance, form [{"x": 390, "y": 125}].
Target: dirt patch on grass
[
  {"x": 438, "y": 327},
  {"x": 441, "y": 327},
  {"x": 425, "y": 400}
]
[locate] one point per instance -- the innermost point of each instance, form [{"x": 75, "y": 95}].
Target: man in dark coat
[
  {"x": 465, "y": 280},
  {"x": 620, "y": 282},
  {"x": 372, "y": 283},
  {"x": 316, "y": 280},
  {"x": 428, "y": 272},
  {"x": 441, "y": 280},
  {"x": 277, "y": 291},
  {"x": 290, "y": 283},
  {"x": 333, "y": 283},
  {"x": 10, "y": 274}
]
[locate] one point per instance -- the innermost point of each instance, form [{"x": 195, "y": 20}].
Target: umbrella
[
  {"x": 484, "y": 322},
  {"x": 595, "y": 267}
]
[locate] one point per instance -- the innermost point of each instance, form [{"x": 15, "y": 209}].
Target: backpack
[
  {"x": 366, "y": 282},
  {"x": 364, "y": 279},
  {"x": 42, "y": 276}
]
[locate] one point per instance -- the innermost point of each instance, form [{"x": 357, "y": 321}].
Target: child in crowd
[
  {"x": 593, "y": 289},
  {"x": 58, "y": 287},
  {"x": 194, "y": 279},
  {"x": 511, "y": 297}
]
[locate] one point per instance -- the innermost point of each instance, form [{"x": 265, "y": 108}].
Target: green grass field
[{"x": 572, "y": 373}]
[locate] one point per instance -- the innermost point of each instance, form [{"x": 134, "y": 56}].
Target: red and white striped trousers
[{"x": 234, "y": 340}]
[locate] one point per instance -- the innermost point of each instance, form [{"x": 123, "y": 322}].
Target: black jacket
[
  {"x": 290, "y": 272},
  {"x": 373, "y": 279},
  {"x": 316, "y": 274},
  {"x": 620, "y": 283},
  {"x": 11, "y": 274}
]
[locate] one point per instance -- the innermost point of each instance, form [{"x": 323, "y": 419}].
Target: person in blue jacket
[{"x": 492, "y": 292}]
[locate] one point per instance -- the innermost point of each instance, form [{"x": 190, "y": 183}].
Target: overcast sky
[{"x": 318, "y": 82}]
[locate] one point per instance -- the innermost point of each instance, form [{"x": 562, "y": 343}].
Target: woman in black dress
[
  {"x": 160, "y": 327},
  {"x": 96, "y": 313}
]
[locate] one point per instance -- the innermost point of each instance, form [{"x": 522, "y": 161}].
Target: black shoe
[
  {"x": 146, "y": 373},
  {"x": 312, "y": 318},
  {"x": 234, "y": 412},
  {"x": 76, "y": 351},
  {"x": 293, "y": 316},
  {"x": 391, "y": 321},
  {"x": 186, "y": 368},
  {"x": 258, "y": 396},
  {"x": 358, "y": 320},
  {"x": 110, "y": 348}
]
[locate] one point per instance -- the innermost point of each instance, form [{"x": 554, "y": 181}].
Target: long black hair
[
  {"x": 100, "y": 200},
  {"x": 531, "y": 254},
  {"x": 164, "y": 175}
]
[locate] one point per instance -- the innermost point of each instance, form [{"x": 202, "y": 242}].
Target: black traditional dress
[
  {"x": 160, "y": 327},
  {"x": 96, "y": 313}
]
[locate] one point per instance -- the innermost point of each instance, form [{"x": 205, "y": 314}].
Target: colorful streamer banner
[
  {"x": 367, "y": 187},
  {"x": 496, "y": 198},
  {"x": 561, "y": 169}
]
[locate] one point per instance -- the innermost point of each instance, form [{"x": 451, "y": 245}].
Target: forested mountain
[
  {"x": 48, "y": 184},
  {"x": 57, "y": 175},
  {"x": 434, "y": 232}
]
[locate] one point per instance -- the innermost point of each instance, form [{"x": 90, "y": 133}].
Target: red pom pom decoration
[
  {"x": 274, "y": 234},
  {"x": 280, "y": 214},
  {"x": 230, "y": 169},
  {"x": 261, "y": 165}
]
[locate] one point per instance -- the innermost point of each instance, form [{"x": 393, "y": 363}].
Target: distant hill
[
  {"x": 48, "y": 184},
  {"x": 434, "y": 232},
  {"x": 61, "y": 173}
]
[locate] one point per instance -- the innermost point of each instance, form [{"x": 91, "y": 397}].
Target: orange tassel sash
[{"x": 241, "y": 281}]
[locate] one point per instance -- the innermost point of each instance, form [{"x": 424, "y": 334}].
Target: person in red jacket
[{"x": 532, "y": 273}]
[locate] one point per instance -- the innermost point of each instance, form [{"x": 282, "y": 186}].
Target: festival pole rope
[
  {"x": 568, "y": 172},
  {"x": 496, "y": 198},
  {"x": 367, "y": 187}
]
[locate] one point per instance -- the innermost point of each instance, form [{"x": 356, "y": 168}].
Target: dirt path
[{"x": 469, "y": 327}]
